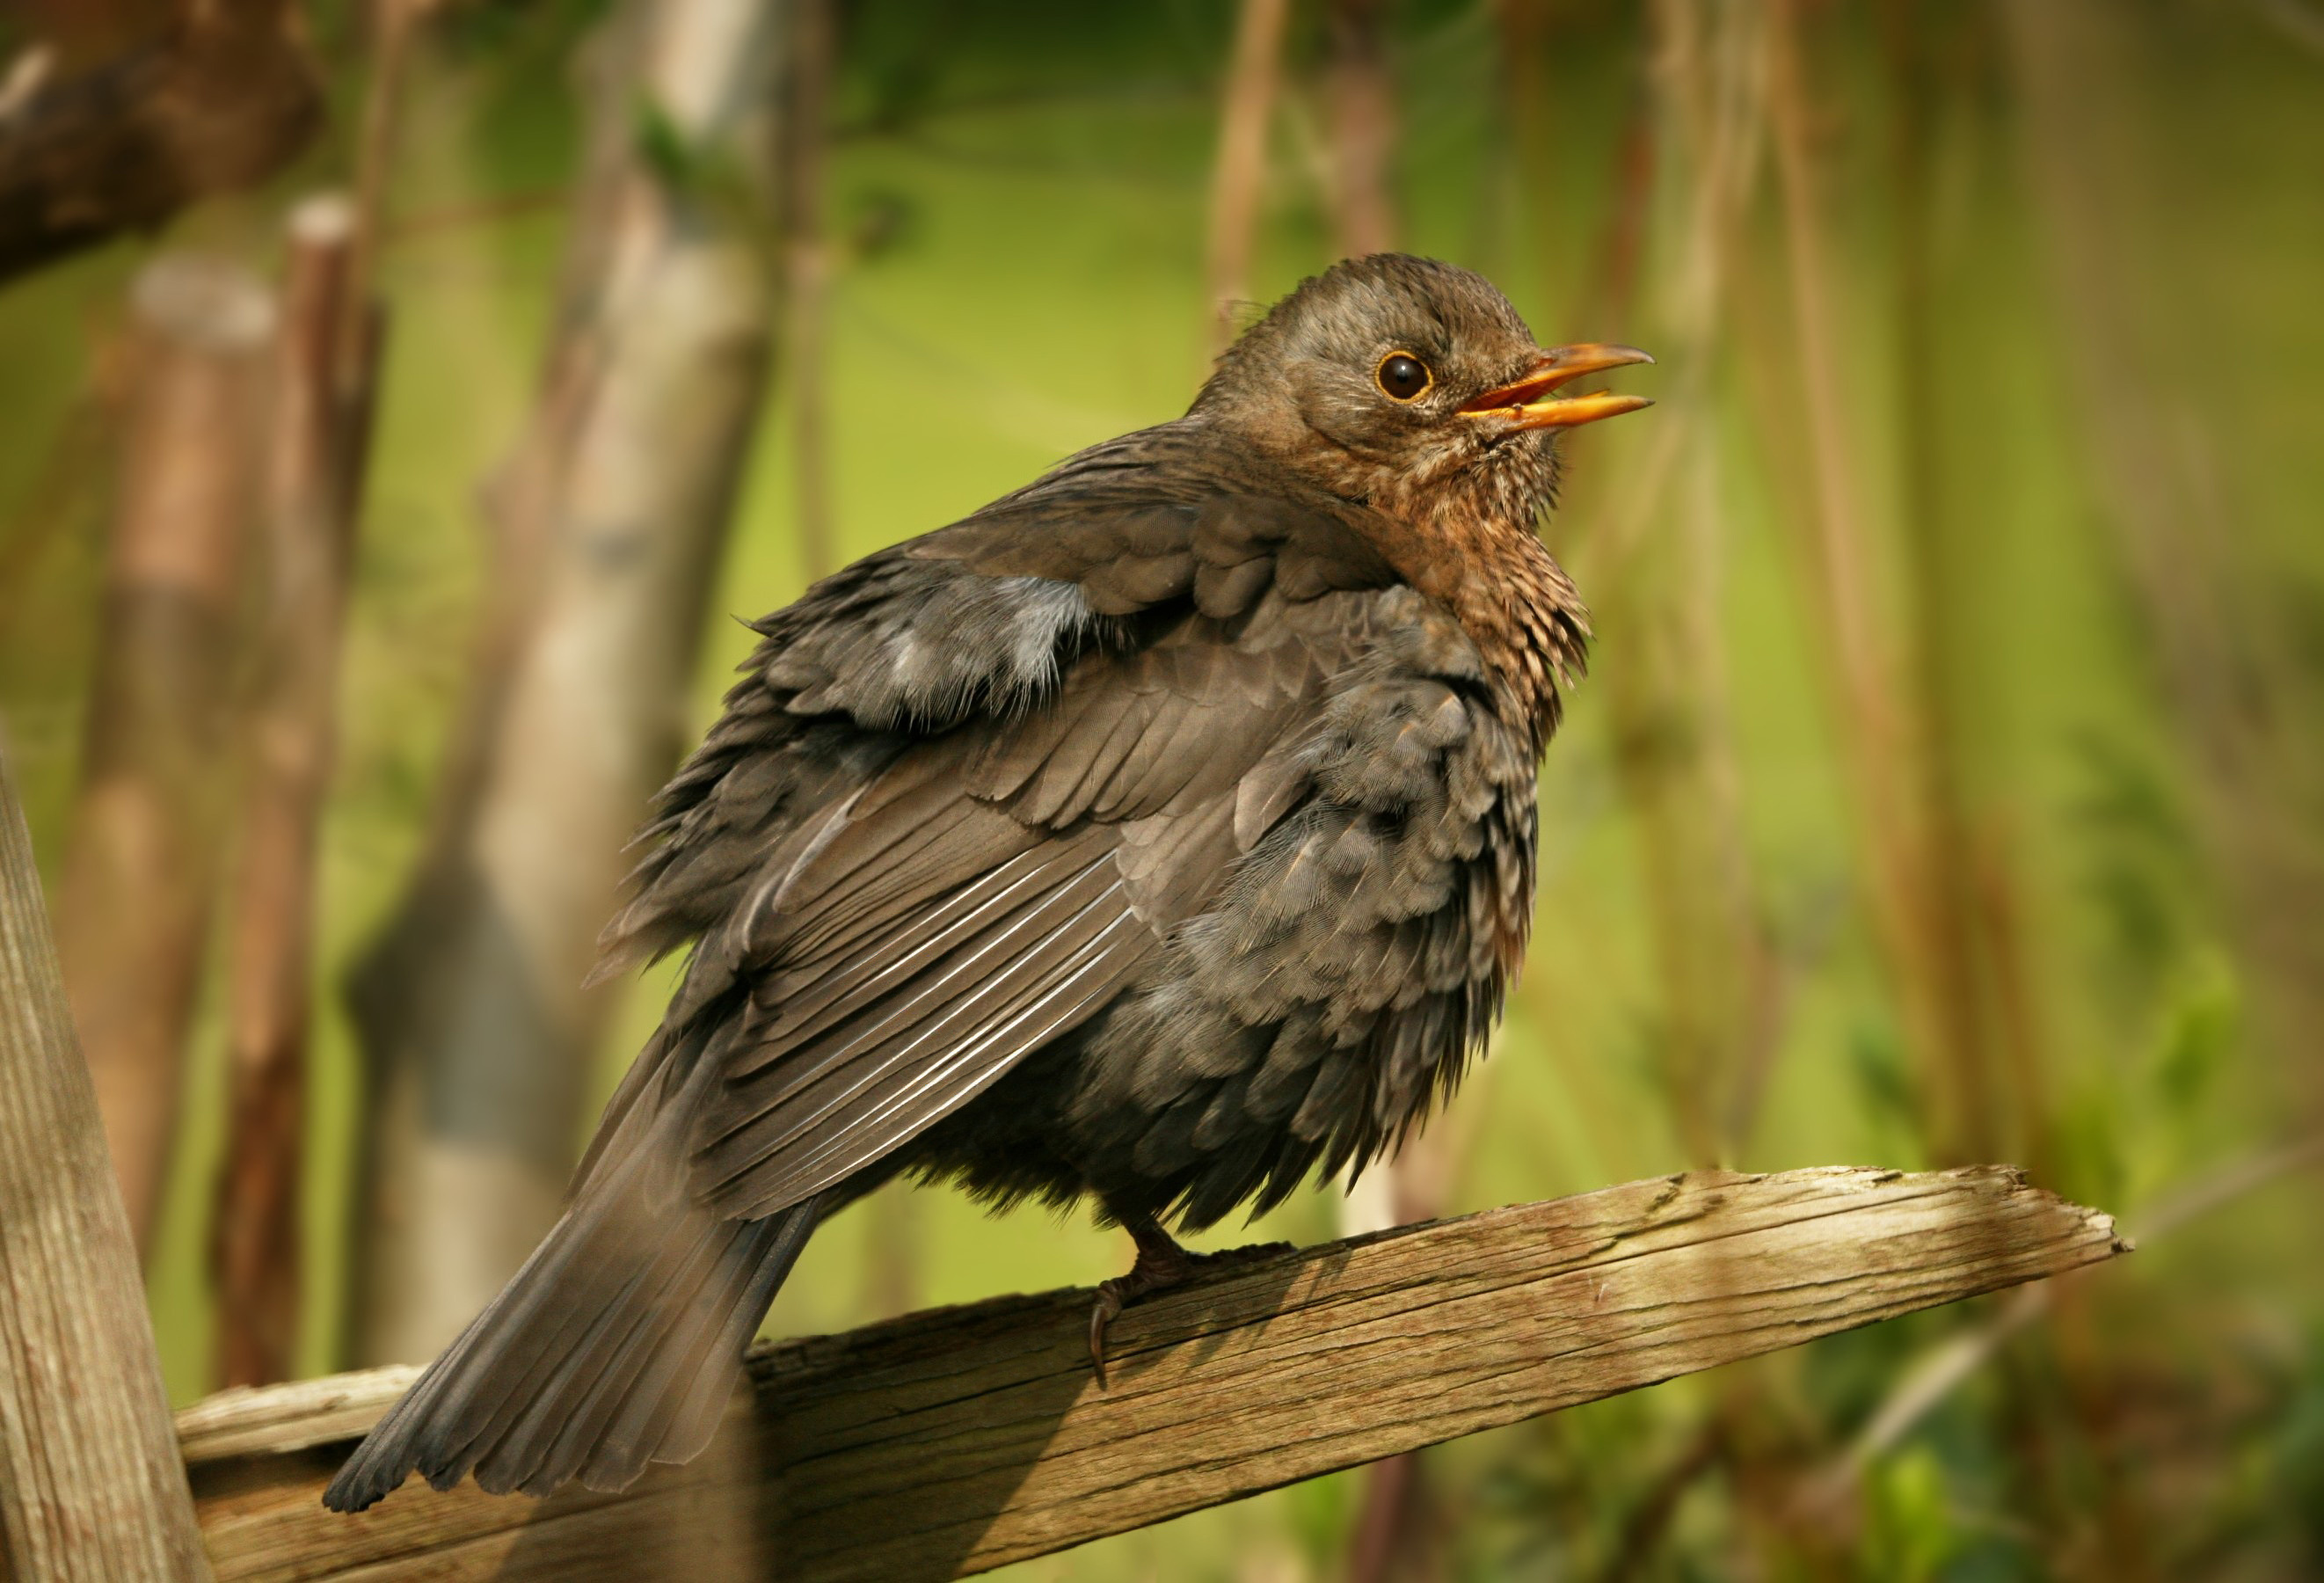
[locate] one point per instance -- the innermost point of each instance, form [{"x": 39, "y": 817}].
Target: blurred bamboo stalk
[
  {"x": 611, "y": 517},
  {"x": 1523, "y": 29},
  {"x": 395, "y": 27},
  {"x": 1971, "y": 873},
  {"x": 1879, "y": 742},
  {"x": 1238, "y": 172},
  {"x": 2224, "y": 637},
  {"x": 1653, "y": 562},
  {"x": 318, "y": 439},
  {"x": 141, "y": 867},
  {"x": 1360, "y": 114},
  {"x": 807, "y": 263},
  {"x": 324, "y": 397},
  {"x": 1527, "y": 33}
]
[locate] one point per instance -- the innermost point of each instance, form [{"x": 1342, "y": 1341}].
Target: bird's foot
[{"x": 1161, "y": 1264}]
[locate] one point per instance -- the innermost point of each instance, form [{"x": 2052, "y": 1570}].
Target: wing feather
[
  {"x": 826, "y": 1089},
  {"x": 967, "y": 790}
]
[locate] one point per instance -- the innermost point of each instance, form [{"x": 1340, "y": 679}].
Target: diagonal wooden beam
[{"x": 957, "y": 1440}]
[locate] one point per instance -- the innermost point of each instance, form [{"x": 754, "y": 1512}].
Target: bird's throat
[{"x": 1509, "y": 593}]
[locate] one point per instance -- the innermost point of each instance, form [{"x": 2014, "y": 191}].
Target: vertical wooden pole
[
  {"x": 317, "y": 444},
  {"x": 1360, "y": 108},
  {"x": 141, "y": 868},
  {"x": 90, "y": 1484},
  {"x": 1240, "y": 169},
  {"x": 805, "y": 155}
]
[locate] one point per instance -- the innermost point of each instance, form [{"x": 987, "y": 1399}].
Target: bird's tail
[{"x": 615, "y": 1346}]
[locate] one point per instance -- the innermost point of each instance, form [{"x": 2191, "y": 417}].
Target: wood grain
[
  {"x": 90, "y": 1485},
  {"x": 957, "y": 1440}
]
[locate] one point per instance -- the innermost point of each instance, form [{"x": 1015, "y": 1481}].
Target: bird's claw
[
  {"x": 1161, "y": 1264},
  {"x": 1103, "y": 1313}
]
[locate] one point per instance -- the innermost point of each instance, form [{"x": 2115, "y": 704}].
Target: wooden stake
[
  {"x": 1360, "y": 111},
  {"x": 318, "y": 443},
  {"x": 90, "y": 1484},
  {"x": 142, "y": 867},
  {"x": 808, "y": 266},
  {"x": 1239, "y": 172}
]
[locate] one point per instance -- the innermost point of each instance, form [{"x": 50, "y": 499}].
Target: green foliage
[
  {"x": 2294, "y": 1463},
  {"x": 2201, "y": 1027},
  {"x": 1892, "y": 1104},
  {"x": 1910, "y": 1534},
  {"x": 675, "y": 160}
]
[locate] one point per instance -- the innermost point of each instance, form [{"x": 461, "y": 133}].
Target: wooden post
[
  {"x": 315, "y": 448},
  {"x": 962, "y": 1439},
  {"x": 1360, "y": 109},
  {"x": 141, "y": 867},
  {"x": 91, "y": 1483},
  {"x": 808, "y": 266},
  {"x": 1239, "y": 171}
]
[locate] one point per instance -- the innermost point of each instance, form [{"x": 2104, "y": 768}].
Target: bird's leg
[{"x": 1161, "y": 1264}]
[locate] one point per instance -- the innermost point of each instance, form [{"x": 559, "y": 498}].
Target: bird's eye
[{"x": 1403, "y": 376}]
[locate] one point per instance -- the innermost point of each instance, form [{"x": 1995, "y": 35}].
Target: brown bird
[{"x": 1157, "y": 836}]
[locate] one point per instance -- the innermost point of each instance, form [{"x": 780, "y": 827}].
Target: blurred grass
[{"x": 1023, "y": 194}]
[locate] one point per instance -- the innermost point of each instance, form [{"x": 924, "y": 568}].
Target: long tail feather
[{"x": 613, "y": 1348}]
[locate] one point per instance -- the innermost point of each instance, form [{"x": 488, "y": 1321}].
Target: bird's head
[{"x": 1411, "y": 385}]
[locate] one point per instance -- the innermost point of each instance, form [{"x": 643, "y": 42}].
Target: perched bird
[{"x": 1157, "y": 836}]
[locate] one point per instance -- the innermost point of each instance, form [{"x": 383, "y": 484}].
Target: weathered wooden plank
[{"x": 957, "y": 1440}]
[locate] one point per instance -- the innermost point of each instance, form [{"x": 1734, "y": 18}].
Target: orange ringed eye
[{"x": 1403, "y": 376}]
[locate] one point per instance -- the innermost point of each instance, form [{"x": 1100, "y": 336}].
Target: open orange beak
[{"x": 1521, "y": 402}]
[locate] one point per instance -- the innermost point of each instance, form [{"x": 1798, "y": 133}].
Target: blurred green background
[{"x": 1949, "y": 781}]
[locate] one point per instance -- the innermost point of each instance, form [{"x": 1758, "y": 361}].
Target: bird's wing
[
  {"x": 1001, "y": 766},
  {"x": 990, "y": 892}
]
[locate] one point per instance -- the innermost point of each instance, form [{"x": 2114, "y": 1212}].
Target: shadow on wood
[{"x": 960, "y": 1439}]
